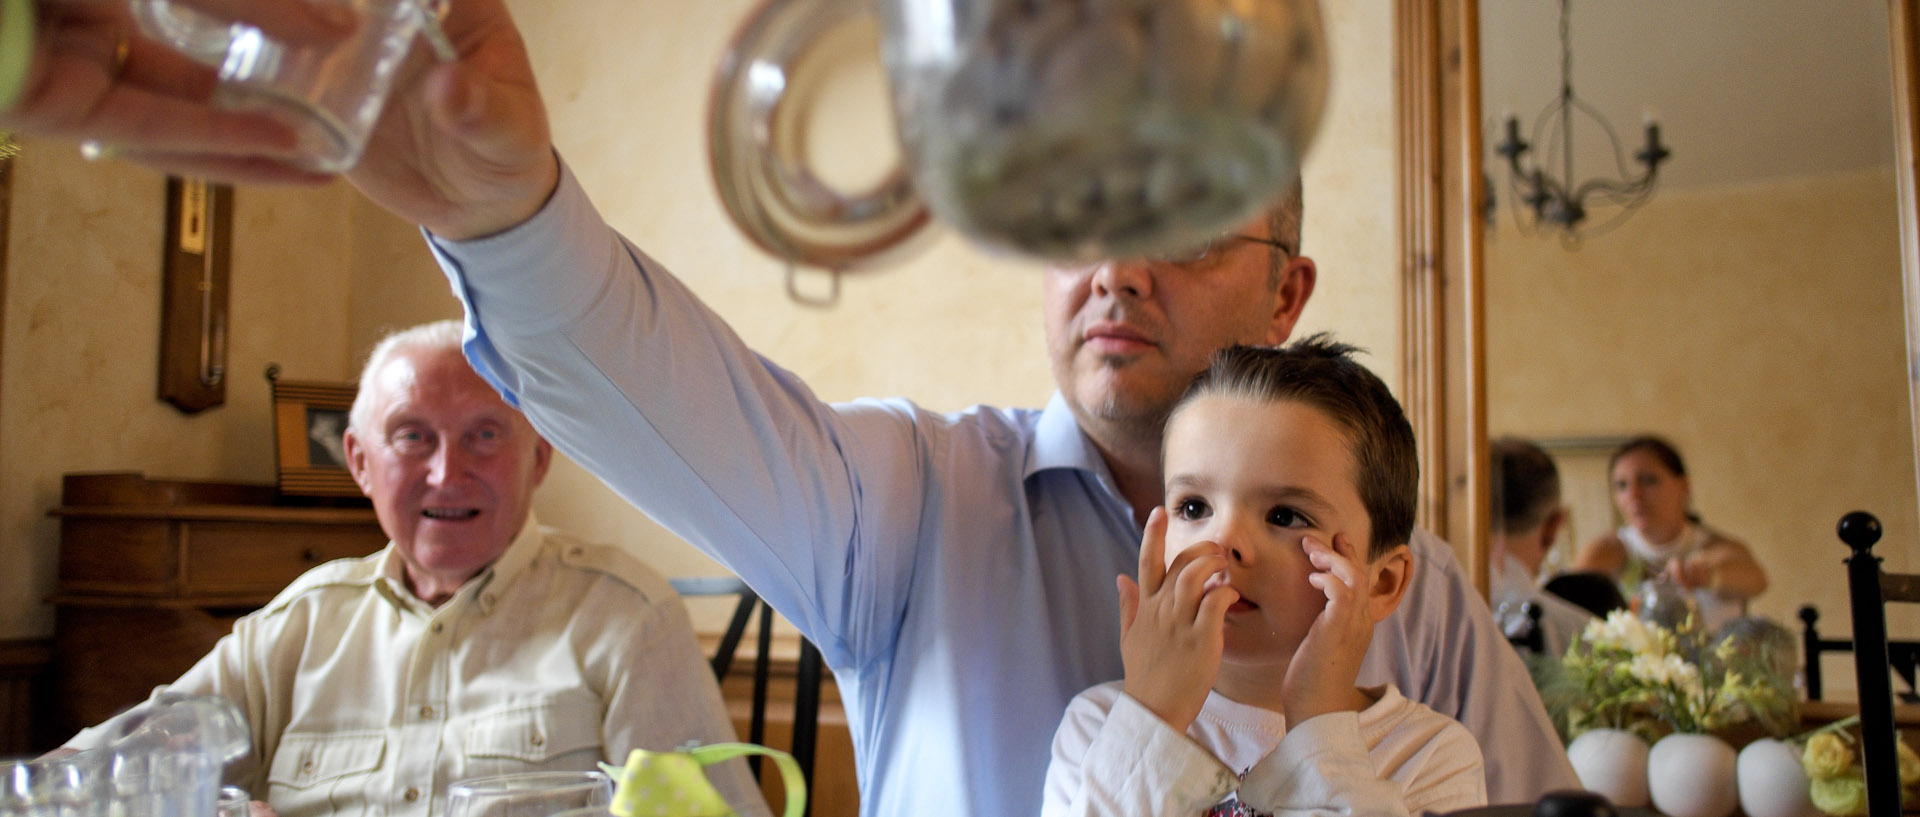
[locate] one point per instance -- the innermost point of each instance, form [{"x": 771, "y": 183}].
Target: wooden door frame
[{"x": 1438, "y": 67}]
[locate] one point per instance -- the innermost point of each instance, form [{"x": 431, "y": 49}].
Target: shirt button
[
  {"x": 426, "y": 712},
  {"x": 539, "y": 741},
  {"x": 412, "y": 794},
  {"x": 437, "y": 626}
]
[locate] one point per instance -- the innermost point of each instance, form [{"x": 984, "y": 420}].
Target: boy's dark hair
[
  {"x": 1526, "y": 485},
  {"x": 1321, "y": 372}
]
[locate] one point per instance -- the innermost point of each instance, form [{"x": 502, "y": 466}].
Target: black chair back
[
  {"x": 811, "y": 666},
  {"x": 1597, "y": 593},
  {"x": 1868, "y": 590}
]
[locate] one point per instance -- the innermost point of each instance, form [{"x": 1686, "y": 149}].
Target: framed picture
[{"x": 308, "y": 419}]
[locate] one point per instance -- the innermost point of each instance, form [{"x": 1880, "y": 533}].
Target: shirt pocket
[
  {"x": 308, "y": 767},
  {"x": 535, "y": 735}
]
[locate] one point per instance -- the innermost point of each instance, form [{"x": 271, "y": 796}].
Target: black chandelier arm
[
  {"x": 1511, "y": 145},
  {"x": 1612, "y": 188},
  {"x": 1654, "y": 153}
]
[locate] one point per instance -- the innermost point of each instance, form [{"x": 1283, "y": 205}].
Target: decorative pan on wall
[{"x": 308, "y": 419}]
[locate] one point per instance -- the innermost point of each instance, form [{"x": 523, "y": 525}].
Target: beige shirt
[{"x": 365, "y": 700}]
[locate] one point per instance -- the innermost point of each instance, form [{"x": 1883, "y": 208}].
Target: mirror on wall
[{"x": 1751, "y": 311}]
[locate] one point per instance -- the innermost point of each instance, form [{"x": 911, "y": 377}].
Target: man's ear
[
  {"x": 1550, "y": 530},
  {"x": 542, "y": 459},
  {"x": 1391, "y": 575},
  {"x": 356, "y": 460},
  {"x": 1297, "y": 278}
]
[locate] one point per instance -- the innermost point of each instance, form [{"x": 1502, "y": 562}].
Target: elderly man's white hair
[{"x": 436, "y": 336}]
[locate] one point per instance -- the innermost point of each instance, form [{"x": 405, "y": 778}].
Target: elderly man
[{"x": 477, "y": 642}]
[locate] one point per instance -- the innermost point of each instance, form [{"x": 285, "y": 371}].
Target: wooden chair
[
  {"x": 1903, "y": 655},
  {"x": 806, "y": 696},
  {"x": 1869, "y": 589}
]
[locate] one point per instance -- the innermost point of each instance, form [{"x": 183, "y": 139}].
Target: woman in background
[{"x": 1664, "y": 540}]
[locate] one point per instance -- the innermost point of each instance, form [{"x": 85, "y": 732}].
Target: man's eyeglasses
[{"x": 1217, "y": 247}]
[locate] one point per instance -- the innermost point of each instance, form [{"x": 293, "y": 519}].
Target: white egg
[
  {"x": 1613, "y": 763},
  {"x": 1692, "y": 776},
  {"x": 1772, "y": 783}
]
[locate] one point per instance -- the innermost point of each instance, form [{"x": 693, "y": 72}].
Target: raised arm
[
  {"x": 1725, "y": 568},
  {"x": 619, "y": 365}
]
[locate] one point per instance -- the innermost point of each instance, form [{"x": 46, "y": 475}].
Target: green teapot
[{"x": 674, "y": 784}]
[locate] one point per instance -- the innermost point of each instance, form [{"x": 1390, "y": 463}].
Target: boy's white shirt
[{"x": 1111, "y": 756}]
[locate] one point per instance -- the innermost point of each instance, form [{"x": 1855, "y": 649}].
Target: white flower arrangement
[{"x": 1625, "y": 673}]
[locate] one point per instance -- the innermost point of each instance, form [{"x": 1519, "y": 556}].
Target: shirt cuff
[
  {"x": 548, "y": 268},
  {"x": 1137, "y": 747},
  {"x": 1321, "y": 766}
]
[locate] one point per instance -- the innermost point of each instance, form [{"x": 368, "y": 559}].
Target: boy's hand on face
[
  {"x": 1172, "y": 625},
  {"x": 1321, "y": 676}
]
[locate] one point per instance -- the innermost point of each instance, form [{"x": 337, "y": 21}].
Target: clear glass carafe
[
  {"x": 1061, "y": 129},
  {"x": 165, "y": 761}
]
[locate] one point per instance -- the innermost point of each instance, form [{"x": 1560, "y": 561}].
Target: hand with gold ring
[{"x": 79, "y": 70}]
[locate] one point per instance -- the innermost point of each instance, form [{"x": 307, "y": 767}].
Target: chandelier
[{"x": 1562, "y": 203}]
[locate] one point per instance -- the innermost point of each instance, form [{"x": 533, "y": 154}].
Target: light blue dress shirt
[{"x": 956, "y": 570}]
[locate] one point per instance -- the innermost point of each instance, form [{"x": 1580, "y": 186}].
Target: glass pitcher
[
  {"x": 1059, "y": 129},
  {"x": 164, "y": 762}
]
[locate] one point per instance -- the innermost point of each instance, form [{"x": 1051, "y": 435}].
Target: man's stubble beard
[{"x": 1135, "y": 417}]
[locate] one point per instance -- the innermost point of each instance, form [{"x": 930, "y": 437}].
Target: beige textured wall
[
  {"x": 81, "y": 348},
  {"x": 1760, "y": 328}
]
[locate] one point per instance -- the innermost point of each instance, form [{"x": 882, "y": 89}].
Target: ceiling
[{"x": 1744, "y": 90}]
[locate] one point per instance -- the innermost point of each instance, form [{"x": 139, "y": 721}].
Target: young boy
[{"x": 1290, "y": 485}]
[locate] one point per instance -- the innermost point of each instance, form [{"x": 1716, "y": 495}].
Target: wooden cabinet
[{"x": 153, "y": 572}]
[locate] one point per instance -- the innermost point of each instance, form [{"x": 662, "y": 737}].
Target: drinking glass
[
  {"x": 234, "y": 802},
  {"x": 330, "y": 95},
  {"x": 531, "y": 794}
]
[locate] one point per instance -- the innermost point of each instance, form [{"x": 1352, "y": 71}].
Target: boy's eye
[
  {"x": 1286, "y": 517},
  {"x": 1190, "y": 509}
]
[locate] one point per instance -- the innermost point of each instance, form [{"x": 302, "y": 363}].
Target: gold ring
[{"x": 121, "y": 51}]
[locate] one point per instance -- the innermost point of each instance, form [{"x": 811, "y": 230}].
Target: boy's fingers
[
  {"x": 1153, "y": 552},
  {"x": 1191, "y": 571},
  {"x": 1213, "y": 605},
  {"x": 1324, "y": 582},
  {"x": 1129, "y": 603},
  {"x": 1351, "y": 567},
  {"x": 1343, "y": 545},
  {"x": 1331, "y": 561}
]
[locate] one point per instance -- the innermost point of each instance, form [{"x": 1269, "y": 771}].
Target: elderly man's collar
[{"x": 477, "y": 590}]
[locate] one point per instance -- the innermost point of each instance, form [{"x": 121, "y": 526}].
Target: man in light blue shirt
[{"x": 956, "y": 570}]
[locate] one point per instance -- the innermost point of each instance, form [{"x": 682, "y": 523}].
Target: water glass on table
[
  {"x": 234, "y": 802},
  {"x": 531, "y": 794}
]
